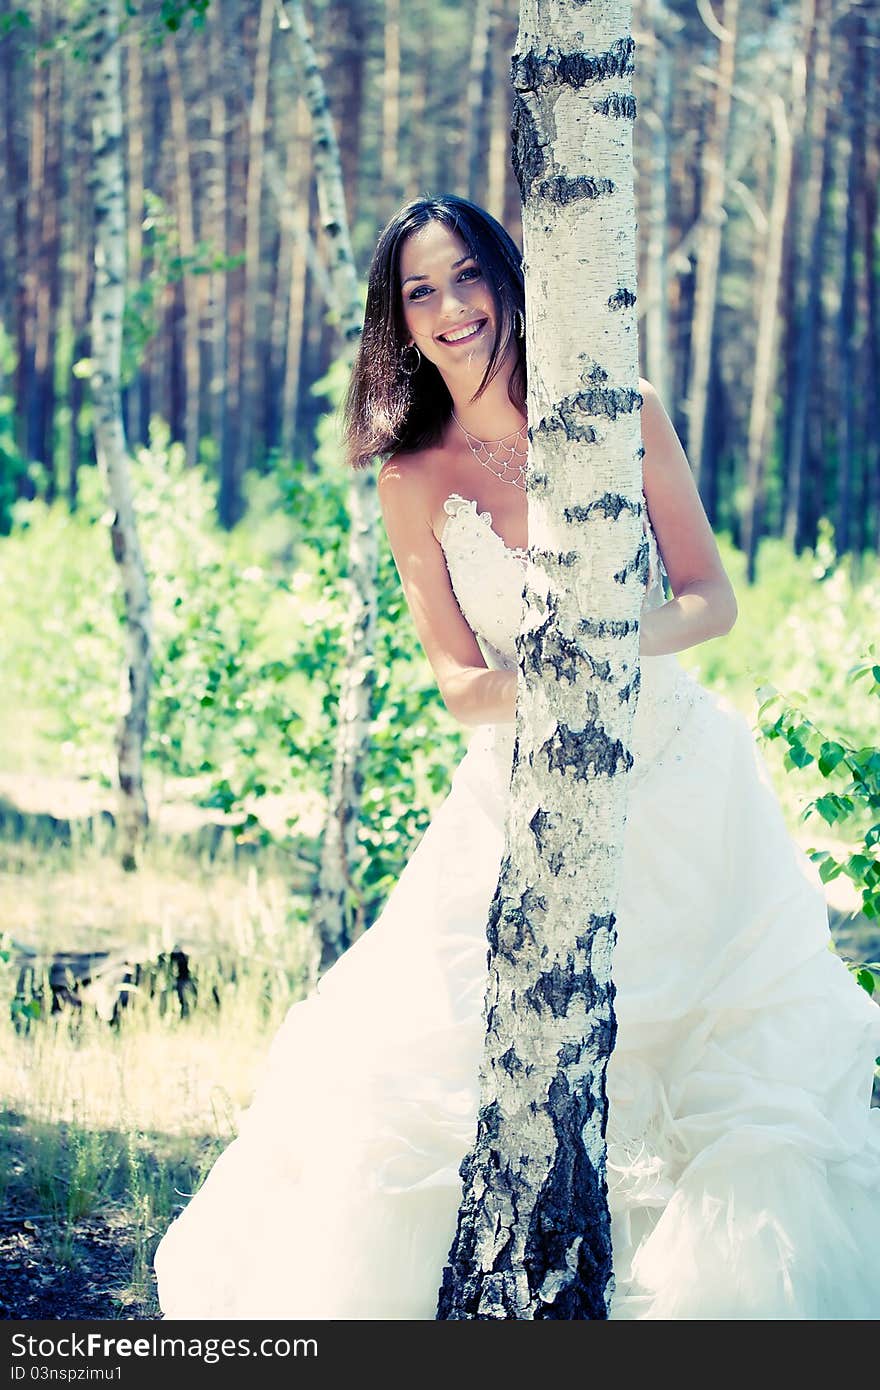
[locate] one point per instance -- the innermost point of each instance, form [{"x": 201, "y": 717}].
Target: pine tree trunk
[
  {"x": 30, "y": 387},
  {"x": 215, "y": 198},
  {"x": 48, "y": 288},
  {"x": 391, "y": 110},
  {"x": 533, "y": 1238},
  {"x": 300, "y": 179},
  {"x": 709, "y": 247},
  {"x": 477, "y": 99},
  {"x": 109, "y": 300},
  {"x": 335, "y": 914},
  {"x": 137, "y": 415},
  {"x": 656, "y": 278},
  {"x": 805, "y": 342},
  {"x": 760, "y": 431},
  {"x": 503, "y": 29},
  {"x": 421, "y": 173},
  {"x": 869, "y": 183},
  {"x": 191, "y": 385},
  {"x": 256, "y": 147},
  {"x": 83, "y": 279},
  {"x": 845, "y": 356}
]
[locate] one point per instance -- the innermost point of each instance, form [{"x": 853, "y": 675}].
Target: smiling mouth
[{"x": 463, "y": 334}]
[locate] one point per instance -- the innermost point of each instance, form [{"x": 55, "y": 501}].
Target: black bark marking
[
  {"x": 562, "y": 191},
  {"x": 509, "y": 928},
  {"x": 639, "y": 565},
  {"x": 542, "y": 825},
  {"x": 511, "y": 1063},
  {"x": 596, "y": 922},
  {"x": 554, "y": 989},
  {"x": 546, "y": 646},
  {"x": 532, "y": 70},
  {"x": 613, "y": 627},
  {"x": 550, "y": 559},
  {"x": 527, "y": 154},
  {"x": 626, "y": 692},
  {"x": 564, "y": 1231},
  {"x": 588, "y": 752},
  {"x": 622, "y": 299},
  {"x": 618, "y": 104},
  {"x": 569, "y": 414},
  {"x": 609, "y": 504}
]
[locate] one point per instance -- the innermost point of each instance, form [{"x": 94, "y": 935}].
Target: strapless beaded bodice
[{"x": 487, "y": 579}]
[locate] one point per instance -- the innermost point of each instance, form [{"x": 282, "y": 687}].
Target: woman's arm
[
  {"x": 704, "y": 605},
  {"x": 471, "y": 692}
]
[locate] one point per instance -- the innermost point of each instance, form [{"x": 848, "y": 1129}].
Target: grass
[{"x": 108, "y": 1127}]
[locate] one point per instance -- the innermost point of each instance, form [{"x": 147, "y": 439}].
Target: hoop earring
[
  {"x": 519, "y": 323},
  {"x": 410, "y": 371}
]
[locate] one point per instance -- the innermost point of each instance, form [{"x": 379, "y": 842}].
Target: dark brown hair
[{"x": 387, "y": 411}]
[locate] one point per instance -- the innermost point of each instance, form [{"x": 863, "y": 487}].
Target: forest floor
[{"x": 107, "y": 1130}]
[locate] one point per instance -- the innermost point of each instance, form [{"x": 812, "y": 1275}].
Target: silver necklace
[{"x": 511, "y": 465}]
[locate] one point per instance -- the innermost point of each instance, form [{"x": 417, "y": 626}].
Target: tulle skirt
[{"x": 743, "y": 1156}]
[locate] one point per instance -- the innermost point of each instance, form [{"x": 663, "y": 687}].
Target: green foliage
[
  {"x": 801, "y": 627},
  {"x": 851, "y": 803},
  {"x": 143, "y": 304},
  {"x": 13, "y": 466},
  {"x": 248, "y": 632}
]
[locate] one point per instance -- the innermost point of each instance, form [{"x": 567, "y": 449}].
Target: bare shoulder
[
  {"x": 407, "y": 485},
  {"x": 405, "y": 497}
]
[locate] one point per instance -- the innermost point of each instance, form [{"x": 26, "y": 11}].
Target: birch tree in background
[
  {"x": 533, "y": 1237},
  {"x": 333, "y": 914},
  {"x": 110, "y": 443}
]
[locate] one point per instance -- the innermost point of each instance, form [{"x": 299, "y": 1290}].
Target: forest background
[{"x": 757, "y": 155}]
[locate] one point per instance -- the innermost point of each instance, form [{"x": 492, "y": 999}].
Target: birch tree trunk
[
  {"x": 334, "y": 915},
  {"x": 709, "y": 249},
  {"x": 533, "y": 1238},
  {"x": 108, "y": 304}
]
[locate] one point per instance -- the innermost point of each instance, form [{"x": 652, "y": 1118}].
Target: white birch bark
[
  {"x": 110, "y": 443},
  {"x": 533, "y": 1237},
  {"x": 335, "y": 914}
]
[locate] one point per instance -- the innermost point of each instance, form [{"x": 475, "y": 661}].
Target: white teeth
[{"x": 459, "y": 333}]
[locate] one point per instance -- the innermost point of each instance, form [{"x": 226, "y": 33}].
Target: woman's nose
[{"x": 452, "y": 301}]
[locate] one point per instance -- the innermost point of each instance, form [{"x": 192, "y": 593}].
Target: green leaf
[
  {"x": 831, "y": 754},
  {"x": 866, "y": 980}
]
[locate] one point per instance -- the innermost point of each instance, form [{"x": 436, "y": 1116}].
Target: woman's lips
[{"x": 478, "y": 326}]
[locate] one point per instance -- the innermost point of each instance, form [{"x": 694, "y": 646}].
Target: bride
[{"x": 743, "y": 1156}]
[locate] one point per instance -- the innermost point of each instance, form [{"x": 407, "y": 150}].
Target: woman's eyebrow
[{"x": 454, "y": 266}]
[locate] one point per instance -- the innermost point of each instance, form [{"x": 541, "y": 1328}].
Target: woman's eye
[{"x": 473, "y": 272}]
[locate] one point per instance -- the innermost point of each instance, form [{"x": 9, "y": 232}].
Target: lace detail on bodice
[{"x": 488, "y": 577}]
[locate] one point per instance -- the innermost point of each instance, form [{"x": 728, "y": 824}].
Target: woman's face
[{"x": 447, "y": 303}]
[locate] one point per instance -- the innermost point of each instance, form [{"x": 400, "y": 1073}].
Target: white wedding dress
[{"x": 743, "y": 1156}]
